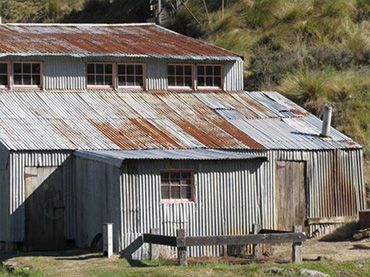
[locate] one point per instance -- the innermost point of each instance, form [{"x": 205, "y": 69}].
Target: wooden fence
[{"x": 259, "y": 236}]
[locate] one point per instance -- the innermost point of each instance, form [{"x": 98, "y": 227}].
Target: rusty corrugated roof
[
  {"x": 111, "y": 120},
  {"x": 134, "y": 40}
]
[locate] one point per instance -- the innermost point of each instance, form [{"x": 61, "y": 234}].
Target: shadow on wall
[{"x": 43, "y": 210}]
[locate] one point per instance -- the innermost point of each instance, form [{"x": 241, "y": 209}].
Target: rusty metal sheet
[
  {"x": 131, "y": 120},
  {"x": 128, "y": 40}
]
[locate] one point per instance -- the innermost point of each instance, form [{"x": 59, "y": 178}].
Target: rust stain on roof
[{"x": 103, "y": 39}]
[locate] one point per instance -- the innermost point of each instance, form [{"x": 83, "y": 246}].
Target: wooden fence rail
[{"x": 181, "y": 241}]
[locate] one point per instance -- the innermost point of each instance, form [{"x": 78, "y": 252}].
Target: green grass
[{"x": 98, "y": 266}]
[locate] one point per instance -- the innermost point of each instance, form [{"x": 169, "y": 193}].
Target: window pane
[
  {"x": 17, "y": 79},
  {"x": 100, "y": 80},
  {"x": 171, "y": 81},
  {"x": 90, "y": 68},
  {"x": 165, "y": 192},
  {"x": 217, "y": 70},
  {"x": 108, "y": 69},
  {"x": 3, "y": 80},
  {"x": 3, "y": 68},
  {"x": 17, "y": 67},
  {"x": 217, "y": 81},
  {"x": 121, "y": 80},
  {"x": 171, "y": 70},
  {"x": 26, "y": 79},
  {"x": 99, "y": 68},
  {"x": 188, "y": 70},
  {"x": 179, "y": 70},
  {"x": 200, "y": 70},
  {"x": 165, "y": 177},
  {"x": 200, "y": 81},
  {"x": 139, "y": 81},
  {"x": 180, "y": 81},
  {"x": 186, "y": 192},
  {"x": 26, "y": 68},
  {"x": 90, "y": 80},
  {"x": 188, "y": 81},
  {"x": 138, "y": 69},
  {"x": 108, "y": 80},
  {"x": 185, "y": 175},
  {"x": 121, "y": 69},
  {"x": 209, "y": 70},
  {"x": 130, "y": 69},
  {"x": 36, "y": 80},
  {"x": 36, "y": 68},
  {"x": 130, "y": 81},
  {"x": 209, "y": 81},
  {"x": 175, "y": 192}
]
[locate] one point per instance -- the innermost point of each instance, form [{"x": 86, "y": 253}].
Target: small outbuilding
[{"x": 140, "y": 126}]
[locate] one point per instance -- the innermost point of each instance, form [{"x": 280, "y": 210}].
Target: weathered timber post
[
  {"x": 154, "y": 248},
  {"x": 257, "y": 251},
  {"x": 108, "y": 239},
  {"x": 182, "y": 258},
  {"x": 297, "y": 246}
]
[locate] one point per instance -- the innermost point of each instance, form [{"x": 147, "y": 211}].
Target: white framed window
[
  {"x": 99, "y": 74},
  {"x": 130, "y": 75},
  {"x": 177, "y": 185},
  {"x": 27, "y": 74},
  {"x": 209, "y": 76},
  {"x": 180, "y": 76},
  {"x": 4, "y": 74}
]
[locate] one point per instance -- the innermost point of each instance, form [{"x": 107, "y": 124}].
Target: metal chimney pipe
[{"x": 326, "y": 121}]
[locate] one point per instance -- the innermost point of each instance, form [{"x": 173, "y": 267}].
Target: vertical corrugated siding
[
  {"x": 156, "y": 75},
  {"x": 64, "y": 74},
  {"x": 17, "y": 162},
  {"x": 233, "y": 72}
]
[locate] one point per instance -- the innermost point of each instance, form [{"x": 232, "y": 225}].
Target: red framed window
[
  {"x": 180, "y": 75},
  {"x": 209, "y": 76},
  {"x": 177, "y": 185},
  {"x": 4, "y": 75},
  {"x": 27, "y": 74},
  {"x": 100, "y": 74},
  {"x": 130, "y": 75}
]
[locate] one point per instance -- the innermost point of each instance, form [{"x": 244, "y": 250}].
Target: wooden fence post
[
  {"x": 182, "y": 258},
  {"x": 154, "y": 248},
  {"x": 297, "y": 246},
  {"x": 257, "y": 251}
]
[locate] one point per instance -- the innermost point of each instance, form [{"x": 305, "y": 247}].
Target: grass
[{"x": 95, "y": 265}]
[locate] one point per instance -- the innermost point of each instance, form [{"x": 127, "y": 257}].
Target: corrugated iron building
[{"x": 78, "y": 157}]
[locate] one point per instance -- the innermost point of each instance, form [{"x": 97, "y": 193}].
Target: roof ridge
[{"x": 80, "y": 24}]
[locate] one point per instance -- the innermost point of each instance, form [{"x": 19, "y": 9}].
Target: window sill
[
  {"x": 25, "y": 86},
  {"x": 99, "y": 87},
  {"x": 179, "y": 88},
  {"x": 209, "y": 88},
  {"x": 177, "y": 201}
]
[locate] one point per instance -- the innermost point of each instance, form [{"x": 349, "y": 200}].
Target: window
[
  {"x": 130, "y": 75},
  {"x": 180, "y": 75},
  {"x": 27, "y": 74},
  {"x": 3, "y": 74},
  {"x": 209, "y": 76},
  {"x": 177, "y": 185},
  {"x": 100, "y": 74}
]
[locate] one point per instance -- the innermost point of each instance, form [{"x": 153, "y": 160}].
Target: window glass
[
  {"x": 130, "y": 75},
  {"x": 209, "y": 76},
  {"x": 3, "y": 74},
  {"x": 99, "y": 74},
  {"x": 176, "y": 185},
  {"x": 180, "y": 75},
  {"x": 27, "y": 74}
]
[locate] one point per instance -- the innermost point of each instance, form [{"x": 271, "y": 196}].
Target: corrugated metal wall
[
  {"x": 65, "y": 73},
  {"x": 15, "y": 229},
  {"x": 234, "y": 76}
]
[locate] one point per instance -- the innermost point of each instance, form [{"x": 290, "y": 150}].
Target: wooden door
[
  {"x": 44, "y": 208},
  {"x": 290, "y": 194}
]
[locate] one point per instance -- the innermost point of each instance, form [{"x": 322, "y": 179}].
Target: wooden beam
[
  {"x": 159, "y": 239},
  {"x": 182, "y": 257},
  {"x": 154, "y": 248},
  {"x": 297, "y": 247},
  {"x": 257, "y": 251},
  {"x": 332, "y": 220},
  {"x": 244, "y": 240}
]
